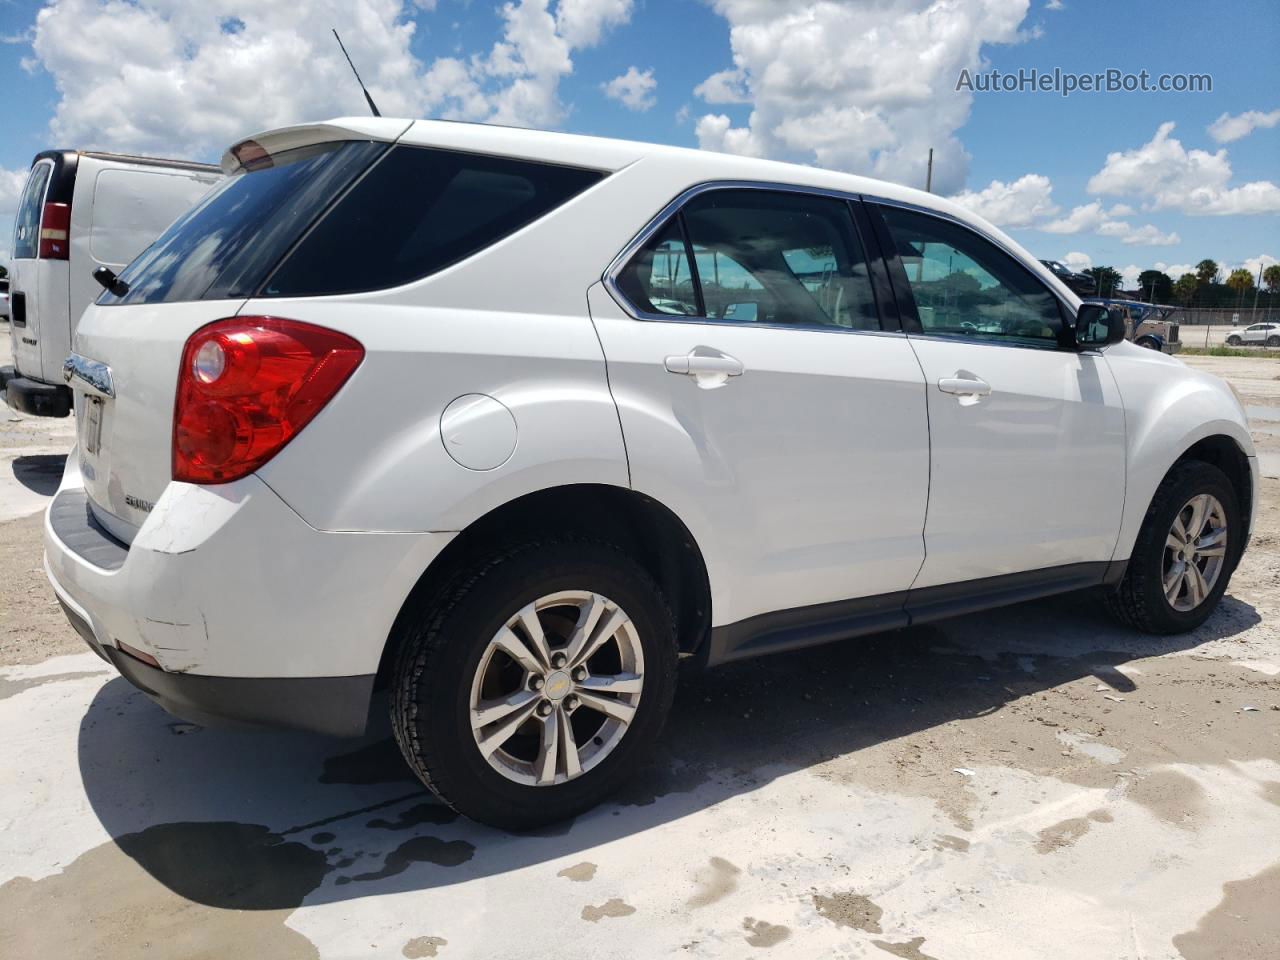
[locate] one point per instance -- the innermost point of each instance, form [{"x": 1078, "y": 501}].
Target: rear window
[
  {"x": 227, "y": 244},
  {"x": 26, "y": 231},
  {"x": 416, "y": 211}
]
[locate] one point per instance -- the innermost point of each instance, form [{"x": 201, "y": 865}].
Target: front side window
[
  {"x": 965, "y": 287},
  {"x": 26, "y": 232},
  {"x": 755, "y": 256}
]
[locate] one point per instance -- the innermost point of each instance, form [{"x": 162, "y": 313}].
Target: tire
[
  {"x": 1148, "y": 343},
  {"x": 447, "y": 659},
  {"x": 1140, "y": 599},
  {"x": 1273, "y": 341},
  {"x": 1233, "y": 341}
]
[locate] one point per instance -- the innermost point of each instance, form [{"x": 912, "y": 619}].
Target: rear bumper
[
  {"x": 33, "y": 397},
  {"x": 254, "y": 617}
]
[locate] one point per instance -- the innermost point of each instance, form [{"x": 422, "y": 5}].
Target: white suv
[
  {"x": 1268, "y": 333},
  {"x": 508, "y": 422}
]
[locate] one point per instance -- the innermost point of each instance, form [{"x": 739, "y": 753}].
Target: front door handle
[
  {"x": 964, "y": 385},
  {"x": 697, "y": 365}
]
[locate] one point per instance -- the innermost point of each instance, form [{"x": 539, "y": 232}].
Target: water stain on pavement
[
  {"x": 579, "y": 872},
  {"x": 1172, "y": 796},
  {"x": 715, "y": 882},
  {"x": 1246, "y": 923},
  {"x": 420, "y": 947},
  {"x": 848, "y": 909},
  {"x": 188, "y": 886},
  {"x": 443, "y": 853},
  {"x": 762, "y": 934},
  {"x": 436, "y": 814},
  {"x": 948, "y": 842},
  {"x": 9, "y": 688},
  {"x": 1062, "y": 835},
  {"x": 610, "y": 908},
  {"x": 907, "y": 951}
]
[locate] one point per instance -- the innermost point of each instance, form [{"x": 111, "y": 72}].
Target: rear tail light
[
  {"x": 247, "y": 386},
  {"x": 54, "y": 226}
]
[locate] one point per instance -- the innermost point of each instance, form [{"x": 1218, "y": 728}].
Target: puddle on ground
[
  {"x": 420, "y": 947},
  {"x": 579, "y": 872},
  {"x": 848, "y": 909},
  {"x": 9, "y": 688},
  {"x": 762, "y": 934},
  {"x": 715, "y": 882},
  {"x": 907, "y": 951},
  {"x": 610, "y": 908},
  {"x": 443, "y": 853},
  {"x": 1172, "y": 796},
  {"x": 1245, "y": 923},
  {"x": 183, "y": 885}
]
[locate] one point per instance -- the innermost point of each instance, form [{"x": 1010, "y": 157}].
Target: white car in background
[
  {"x": 1265, "y": 333},
  {"x": 506, "y": 422}
]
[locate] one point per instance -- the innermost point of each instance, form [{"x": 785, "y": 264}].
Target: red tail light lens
[
  {"x": 55, "y": 223},
  {"x": 247, "y": 386}
]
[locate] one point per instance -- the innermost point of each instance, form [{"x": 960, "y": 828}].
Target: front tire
[
  {"x": 1185, "y": 553},
  {"x": 1233, "y": 341},
  {"x": 532, "y": 689}
]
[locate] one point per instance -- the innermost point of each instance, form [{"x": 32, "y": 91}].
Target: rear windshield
[
  {"x": 26, "y": 229},
  {"x": 226, "y": 244},
  {"x": 417, "y": 211}
]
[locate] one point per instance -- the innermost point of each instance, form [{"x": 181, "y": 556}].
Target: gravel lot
[{"x": 1033, "y": 782}]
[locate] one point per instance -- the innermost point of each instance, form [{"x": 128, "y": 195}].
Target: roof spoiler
[{"x": 304, "y": 135}]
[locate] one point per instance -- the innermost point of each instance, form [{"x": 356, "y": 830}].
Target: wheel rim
[
  {"x": 1194, "y": 552},
  {"x": 557, "y": 688}
]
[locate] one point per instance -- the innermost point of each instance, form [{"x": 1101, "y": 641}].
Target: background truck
[{"x": 79, "y": 211}]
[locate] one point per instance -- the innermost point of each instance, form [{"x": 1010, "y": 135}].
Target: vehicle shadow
[
  {"x": 40, "y": 473},
  {"x": 258, "y": 820}
]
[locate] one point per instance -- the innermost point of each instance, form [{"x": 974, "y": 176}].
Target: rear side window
[
  {"x": 26, "y": 233},
  {"x": 418, "y": 211}
]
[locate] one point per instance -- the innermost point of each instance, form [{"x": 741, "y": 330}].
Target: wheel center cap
[{"x": 557, "y": 686}]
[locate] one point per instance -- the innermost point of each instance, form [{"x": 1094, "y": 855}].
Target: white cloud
[
  {"x": 1228, "y": 128},
  {"x": 1055, "y": 5},
  {"x": 1253, "y": 265},
  {"x": 178, "y": 78},
  {"x": 1088, "y": 216},
  {"x": 1175, "y": 270},
  {"x": 1016, "y": 204},
  {"x": 866, "y": 87},
  {"x": 1077, "y": 261},
  {"x": 1147, "y": 235},
  {"x": 1129, "y": 275},
  {"x": 11, "y": 182},
  {"x": 633, "y": 89},
  {"x": 1193, "y": 181}
]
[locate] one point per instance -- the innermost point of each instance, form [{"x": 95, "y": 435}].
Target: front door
[
  {"x": 1027, "y": 434},
  {"x": 762, "y": 402}
]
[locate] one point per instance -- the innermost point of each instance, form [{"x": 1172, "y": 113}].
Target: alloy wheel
[
  {"x": 1194, "y": 553},
  {"x": 556, "y": 688}
]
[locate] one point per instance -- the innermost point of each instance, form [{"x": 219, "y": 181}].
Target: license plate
[{"x": 91, "y": 427}]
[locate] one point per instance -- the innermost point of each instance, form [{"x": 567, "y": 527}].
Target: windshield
[{"x": 227, "y": 244}]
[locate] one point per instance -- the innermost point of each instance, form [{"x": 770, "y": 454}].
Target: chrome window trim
[{"x": 610, "y": 275}]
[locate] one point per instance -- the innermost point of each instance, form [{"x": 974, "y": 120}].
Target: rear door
[
  {"x": 762, "y": 399},
  {"x": 25, "y": 289},
  {"x": 1027, "y": 436}
]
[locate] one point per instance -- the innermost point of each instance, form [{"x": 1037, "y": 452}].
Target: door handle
[
  {"x": 965, "y": 386},
  {"x": 695, "y": 365}
]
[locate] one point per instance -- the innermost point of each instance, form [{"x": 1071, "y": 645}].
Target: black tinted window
[
  {"x": 966, "y": 287},
  {"x": 26, "y": 231},
  {"x": 227, "y": 244},
  {"x": 418, "y": 211}
]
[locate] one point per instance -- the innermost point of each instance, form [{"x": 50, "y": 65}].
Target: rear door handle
[
  {"x": 694, "y": 365},
  {"x": 964, "y": 386}
]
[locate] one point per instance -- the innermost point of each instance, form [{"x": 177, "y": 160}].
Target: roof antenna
[{"x": 372, "y": 106}]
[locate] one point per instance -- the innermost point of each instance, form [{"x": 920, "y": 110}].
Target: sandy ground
[{"x": 1032, "y": 782}]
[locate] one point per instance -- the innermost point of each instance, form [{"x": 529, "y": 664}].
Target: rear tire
[
  {"x": 454, "y": 670},
  {"x": 1148, "y": 343},
  {"x": 1273, "y": 341},
  {"x": 1144, "y": 598}
]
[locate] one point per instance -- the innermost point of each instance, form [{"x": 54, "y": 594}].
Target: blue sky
[{"x": 802, "y": 81}]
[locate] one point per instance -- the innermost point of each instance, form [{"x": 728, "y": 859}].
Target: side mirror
[{"x": 1097, "y": 325}]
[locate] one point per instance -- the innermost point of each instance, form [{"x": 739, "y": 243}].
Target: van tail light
[
  {"x": 247, "y": 386},
  {"x": 55, "y": 224}
]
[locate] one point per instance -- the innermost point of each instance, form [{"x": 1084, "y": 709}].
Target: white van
[{"x": 80, "y": 211}]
